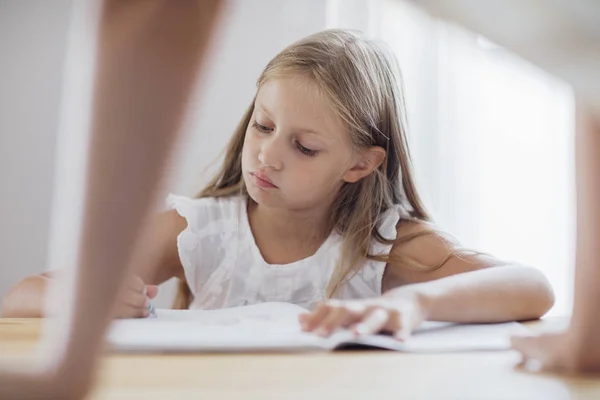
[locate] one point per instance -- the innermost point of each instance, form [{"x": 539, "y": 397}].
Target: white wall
[
  {"x": 32, "y": 47},
  {"x": 252, "y": 33}
]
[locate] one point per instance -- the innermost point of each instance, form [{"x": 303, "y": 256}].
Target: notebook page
[{"x": 261, "y": 327}]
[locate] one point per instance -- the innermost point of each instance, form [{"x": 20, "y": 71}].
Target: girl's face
[{"x": 297, "y": 153}]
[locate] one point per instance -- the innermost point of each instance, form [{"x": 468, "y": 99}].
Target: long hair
[{"x": 362, "y": 80}]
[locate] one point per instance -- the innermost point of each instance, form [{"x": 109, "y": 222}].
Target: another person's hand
[
  {"x": 134, "y": 299},
  {"x": 557, "y": 352},
  {"x": 399, "y": 316}
]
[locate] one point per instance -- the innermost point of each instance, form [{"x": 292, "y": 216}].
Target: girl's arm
[
  {"x": 158, "y": 260},
  {"x": 26, "y": 298},
  {"x": 467, "y": 287},
  {"x": 154, "y": 264}
]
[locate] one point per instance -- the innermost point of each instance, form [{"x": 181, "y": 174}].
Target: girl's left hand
[{"x": 396, "y": 315}]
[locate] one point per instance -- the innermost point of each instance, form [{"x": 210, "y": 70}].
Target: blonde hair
[{"x": 363, "y": 82}]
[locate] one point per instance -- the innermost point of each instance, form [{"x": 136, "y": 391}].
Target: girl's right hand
[{"x": 135, "y": 297}]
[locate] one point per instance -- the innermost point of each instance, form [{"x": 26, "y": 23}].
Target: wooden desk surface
[{"x": 343, "y": 375}]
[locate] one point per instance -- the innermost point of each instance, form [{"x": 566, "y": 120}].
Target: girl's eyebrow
[
  {"x": 263, "y": 108},
  {"x": 299, "y": 130}
]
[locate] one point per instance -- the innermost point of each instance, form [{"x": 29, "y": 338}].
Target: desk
[{"x": 343, "y": 375}]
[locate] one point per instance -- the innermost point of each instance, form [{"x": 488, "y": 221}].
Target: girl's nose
[{"x": 270, "y": 155}]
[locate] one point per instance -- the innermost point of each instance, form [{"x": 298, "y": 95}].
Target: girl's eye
[
  {"x": 306, "y": 151},
  {"x": 261, "y": 128}
]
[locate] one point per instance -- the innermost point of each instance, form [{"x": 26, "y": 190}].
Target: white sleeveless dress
[{"x": 224, "y": 267}]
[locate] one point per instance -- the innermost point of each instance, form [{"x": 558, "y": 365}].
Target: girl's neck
[{"x": 304, "y": 226}]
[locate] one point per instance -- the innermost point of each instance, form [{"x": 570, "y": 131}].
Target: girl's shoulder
[
  {"x": 422, "y": 252},
  {"x": 423, "y": 241}
]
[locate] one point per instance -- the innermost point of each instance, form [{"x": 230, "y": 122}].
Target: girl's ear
[{"x": 367, "y": 162}]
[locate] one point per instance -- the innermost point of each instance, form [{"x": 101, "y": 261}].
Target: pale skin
[
  {"x": 577, "y": 349},
  {"x": 144, "y": 48},
  {"x": 296, "y": 142}
]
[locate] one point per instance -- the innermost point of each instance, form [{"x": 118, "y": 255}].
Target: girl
[{"x": 316, "y": 204}]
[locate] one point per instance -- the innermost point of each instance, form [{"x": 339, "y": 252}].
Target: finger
[
  {"x": 403, "y": 332},
  {"x": 357, "y": 308},
  {"x": 521, "y": 344},
  {"x": 336, "y": 318},
  {"x": 393, "y": 322},
  {"x": 151, "y": 291},
  {"x": 135, "y": 300},
  {"x": 374, "y": 321},
  {"x": 406, "y": 324},
  {"x": 535, "y": 355},
  {"x": 315, "y": 318},
  {"x": 302, "y": 319},
  {"x": 136, "y": 284},
  {"x": 126, "y": 311}
]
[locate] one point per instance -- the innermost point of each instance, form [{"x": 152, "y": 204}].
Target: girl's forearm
[
  {"x": 496, "y": 294},
  {"x": 26, "y": 298}
]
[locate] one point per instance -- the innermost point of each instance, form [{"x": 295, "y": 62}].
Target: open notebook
[{"x": 274, "y": 327}]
